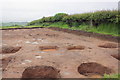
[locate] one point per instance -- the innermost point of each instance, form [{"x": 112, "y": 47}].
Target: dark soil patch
[
  {"x": 40, "y": 72},
  {"x": 92, "y": 68},
  {"x": 117, "y": 56},
  {"x": 88, "y": 34},
  {"x": 76, "y": 48},
  {"x": 108, "y": 45},
  {"x": 48, "y": 48},
  {"x": 52, "y": 35},
  {"x": 9, "y": 49},
  {"x": 21, "y": 28},
  {"x": 5, "y": 62}
]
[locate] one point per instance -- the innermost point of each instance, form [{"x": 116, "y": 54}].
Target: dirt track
[{"x": 71, "y": 55}]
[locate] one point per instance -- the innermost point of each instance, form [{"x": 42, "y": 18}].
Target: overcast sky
[{"x": 28, "y": 10}]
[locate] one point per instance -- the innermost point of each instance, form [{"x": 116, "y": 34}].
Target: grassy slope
[{"x": 103, "y": 28}]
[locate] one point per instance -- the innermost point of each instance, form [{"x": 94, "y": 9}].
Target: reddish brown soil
[
  {"x": 9, "y": 49},
  {"x": 88, "y": 34},
  {"x": 62, "y": 51},
  {"x": 108, "y": 45},
  {"x": 48, "y": 48},
  {"x": 93, "y": 68},
  {"x": 76, "y": 47},
  {"x": 5, "y": 62},
  {"x": 41, "y": 72},
  {"x": 117, "y": 56}
]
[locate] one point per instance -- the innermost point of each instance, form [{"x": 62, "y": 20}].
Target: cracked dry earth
[{"x": 45, "y": 53}]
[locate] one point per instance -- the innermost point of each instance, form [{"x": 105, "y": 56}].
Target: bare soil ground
[{"x": 46, "y": 53}]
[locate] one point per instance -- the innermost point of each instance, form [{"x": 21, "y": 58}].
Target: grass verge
[{"x": 109, "y": 29}]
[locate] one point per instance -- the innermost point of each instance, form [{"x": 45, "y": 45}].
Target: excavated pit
[
  {"x": 9, "y": 49},
  {"x": 117, "y": 56},
  {"x": 108, "y": 45},
  {"x": 76, "y": 48},
  {"x": 48, "y": 48},
  {"x": 52, "y": 35},
  {"x": 91, "y": 69},
  {"x": 40, "y": 72},
  {"x": 5, "y": 62}
]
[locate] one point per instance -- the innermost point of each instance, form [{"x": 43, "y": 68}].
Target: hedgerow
[{"x": 91, "y": 18}]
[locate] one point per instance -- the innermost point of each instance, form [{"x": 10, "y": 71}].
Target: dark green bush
[
  {"x": 59, "y": 16},
  {"x": 91, "y": 18}
]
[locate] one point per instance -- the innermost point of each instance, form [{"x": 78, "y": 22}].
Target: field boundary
[
  {"x": 78, "y": 32},
  {"x": 21, "y": 28},
  {"x": 89, "y": 34}
]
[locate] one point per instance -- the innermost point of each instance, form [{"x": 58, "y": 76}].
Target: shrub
[
  {"x": 96, "y": 18},
  {"x": 59, "y": 16}
]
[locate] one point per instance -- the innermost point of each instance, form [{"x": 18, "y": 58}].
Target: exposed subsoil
[
  {"x": 88, "y": 34},
  {"x": 64, "y": 55}
]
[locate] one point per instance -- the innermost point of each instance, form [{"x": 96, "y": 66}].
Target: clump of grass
[
  {"x": 110, "y": 29},
  {"x": 59, "y": 24},
  {"x": 112, "y": 76}
]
